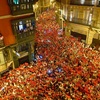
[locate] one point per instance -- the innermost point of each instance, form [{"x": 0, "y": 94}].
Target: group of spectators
[{"x": 64, "y": 69}]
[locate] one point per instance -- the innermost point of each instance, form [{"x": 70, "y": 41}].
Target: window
[
  {"x": 93, "y": 2},
  {"x": 23, "y": 28},
  {"x": 71, "y": 15},
  {"x": 82, "y": 1},
  {"x": 20, "y": 26},
  {"x": 90, "y": 19},
  {"x": 16, "y": 1},
  {"x": 21, "y": 6},
  {"x": 99, "y": 2}
]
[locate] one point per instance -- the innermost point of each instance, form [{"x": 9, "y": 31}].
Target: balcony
[
  {"x": 95, "y": 25},
  {"x": 79, "y": 21},
  {"x": 83, "y": 2}
]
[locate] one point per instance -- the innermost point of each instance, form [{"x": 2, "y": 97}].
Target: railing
[
  {"x": 80, "y": 21},
  {"x": 84, "y": 3},
  {"x": 95, "y": 24}
]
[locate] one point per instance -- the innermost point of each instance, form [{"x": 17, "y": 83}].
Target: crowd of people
[{"x": 64, "y": 69}]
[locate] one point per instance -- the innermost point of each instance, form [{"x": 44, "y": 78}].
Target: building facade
[{"x": 81, "y": 16}]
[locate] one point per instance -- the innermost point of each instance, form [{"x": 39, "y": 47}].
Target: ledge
[
  {"x": 2, "y": 47},
  {"x": 11, "y": 16}
]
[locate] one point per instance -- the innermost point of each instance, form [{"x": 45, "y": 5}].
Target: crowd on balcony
[{"x": 64, "y": 69}]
